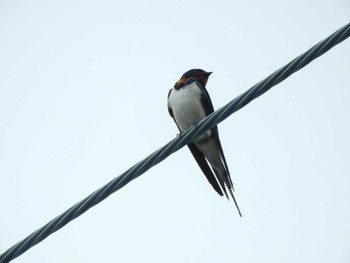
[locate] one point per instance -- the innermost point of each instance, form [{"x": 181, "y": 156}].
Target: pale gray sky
[{"x": 83, "y": 88}]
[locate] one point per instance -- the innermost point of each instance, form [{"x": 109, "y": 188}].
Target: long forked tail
[{"x": 234, "y": 200}]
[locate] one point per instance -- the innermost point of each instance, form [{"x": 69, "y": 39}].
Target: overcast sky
[{"x": 83, "y": 90}]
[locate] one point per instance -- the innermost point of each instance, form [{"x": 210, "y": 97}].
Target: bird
[{"x": 188, "y": 103}]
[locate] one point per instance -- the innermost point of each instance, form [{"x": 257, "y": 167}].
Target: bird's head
[{"x": 198, "y": 74}]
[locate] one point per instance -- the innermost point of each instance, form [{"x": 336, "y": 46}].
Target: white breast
[{"x": 187, "y": 106}]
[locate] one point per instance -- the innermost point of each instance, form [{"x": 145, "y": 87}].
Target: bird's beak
[{"x": 209, "y": 73}]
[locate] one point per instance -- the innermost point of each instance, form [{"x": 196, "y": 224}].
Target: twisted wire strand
[{"x": 176, "y": 144}]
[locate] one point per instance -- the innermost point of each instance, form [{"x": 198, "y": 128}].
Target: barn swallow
[{"x": 188, "y": 103}]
